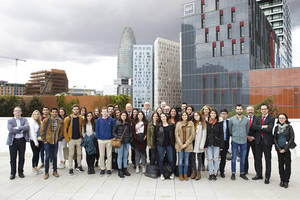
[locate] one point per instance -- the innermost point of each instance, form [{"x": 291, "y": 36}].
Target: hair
[
  {"x": 114, "y": 113},
  {"x": 127, "y": 118},
  {"x": 202, "y": 120},
  {"x": 19, "y": 107},
  {"x": 75, "y": 105},
  {"x": 144, "y": 117},
  {"x": 202, "y": 109},
  {"x": 264, "y": 105},
  {"x": 39, "y": 119},
  {"x": 65, "y": 115},
  {"x": 83, "y": 108},
  {"x": 158, "y": 121},
  {"x": 165, "y": 114},
  {"x": 85, "y": 122},
  {"x": 214, "y": 110},
  {"x": 188, "y": 119},
  {"x": 110, "y": 105},
  {"x": 238, "y": 105},
  {"x": 159, "y": 108},
  {"x": 46, "y": 107},
  {"x": 53, "y": 109},
  {"x": 190, "y": 107},
  {"x": 104, "y": 108},
  {"x": 184, "y": 103},
  {"x": 287, "y": 119},
  {"x": 132, "y": 113},
  {"x": 224, "y": 110},
  {"x": 176, "y": 117}
]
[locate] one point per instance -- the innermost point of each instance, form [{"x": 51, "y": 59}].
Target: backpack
[{"x": 152, "y": 171}]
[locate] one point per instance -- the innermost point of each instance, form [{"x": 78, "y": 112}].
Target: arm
[
  {"x": 25, "y": 127},
  {"x": 230, "y": 127},
  {"x": 61, "y": 131},
  {"x": 65, "y": 127},
  {"x": 115, "y": 131},
  {"x": 275, "y": 139},
  {"x": 12, "y": 129},
  {"x": 32, "y": 133},
  {"x": 221, "y": 135},
  {"x": 42, "y": 130},
  {"x": 269, "y": 130},
  {"x": 292, "y": 138},
  {"x": 149, "y": 136},
  {"x": 177, "y": 135}
]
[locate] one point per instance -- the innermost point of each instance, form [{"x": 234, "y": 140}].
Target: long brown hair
[
  {"x": 202, "y": 120},
  {"x": 85, "y": 122}
]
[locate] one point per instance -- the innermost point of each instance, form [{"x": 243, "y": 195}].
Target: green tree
[
  {"x": 121, "y": 100},
  {"x": 35, "y": 104},
  {"x": 8, "y": 103}
]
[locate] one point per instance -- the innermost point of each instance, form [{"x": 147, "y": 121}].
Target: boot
[
  {"x": 186, "y": 178},
  {"x": 55, "y": 174},
  {"x": 125, "y": 172},
  {"x": 120, "y": 174},
  {"x": 193, "y": 175},
  {"x": 198, "y": 177},
  {"x": 180, "y": 177}
]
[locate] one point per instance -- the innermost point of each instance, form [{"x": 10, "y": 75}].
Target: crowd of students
[{"x": 184, "y": 138}]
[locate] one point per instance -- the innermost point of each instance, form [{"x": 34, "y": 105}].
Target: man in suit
[
  {"x": 18, "y": 135},
  {"x": 223, "y": 152},
  {"x": 251, "y": 137},
  {"x": 147, "y": 111},
  {"x": 263, "y": 143}
]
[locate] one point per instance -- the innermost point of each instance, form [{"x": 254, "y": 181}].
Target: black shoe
[
  {"x": 233, "y": 177},
  {"x": 102, "y": 172},
  {"x": 89, "y": 171},
  {"x": 21, "y": 175},
  {"x": 222, "y": 175},
  {"x": 125, "y": 172},
  {"x": 96, "y": 164},
  {"x": 214, "y": 177},
  {"x": 108, "y": 172},
  {"x": 120, "y": 174},
  {"x": 267, "y": 181},
  {"x": 243, "y": 176},
  {"x": 285, "y": 184},
  {"x": 257, "y": 178},
  {"x": 71, "y": 172},
  {"x": 281, "y": 184},
  {"x": 79, "y": 169},
  {"x": 92, "y": 171},
  {"x": 12, "y": 177},
  {"x": 210, "y": 177}
]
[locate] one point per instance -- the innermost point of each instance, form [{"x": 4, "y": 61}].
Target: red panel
[
  {"x": 229, "y": 26},
  {"x": 215, "y": 91},
  {"x": 215, "y": 75},
  {"x": 203, "y": 76},
  {"x": 206, "y": 30},
  {"x": 202, "y": 2},
  {"x": 202, "y": 16},
  {"x": 233, "y": 9},
  {"x": 233, "y": 41},
  {"x": 242, "y": 40},
  {"x": 218, "y": 28},
  {"x": 203, "y": 91},
  {"x": 242, "y": 23},
  {"x": 214, "y": 44},
  {"x": 222, "y": 43},
  {"x": 221, "y": 12}
]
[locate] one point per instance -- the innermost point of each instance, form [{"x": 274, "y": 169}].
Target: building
[
  {"x": 125, "y": 66},
  {"x": 142, "y": 75},
  {"x": 124, "y": 86},
  {"x": 167, "y": 84},
  {"x": 47, "y": 82},
  {"x": 11, "y": 88},
  {"x": 81, "y": 92},
  {"x": 221, "y": 42},
  {"x": 278, "y": 14},
  {"x": 110, "y": 90}
]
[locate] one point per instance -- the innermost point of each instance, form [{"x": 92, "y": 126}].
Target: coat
[
  {"x": 267, "y": 138},
  {"x": 12, "y": 132},
  {"x": 90, "y": 144},
  {"x": 190, "y": 136},
  {"x": 151, "y": 129},
  {"x": 215, "y": 136},
  {"x": 47, "y": 135},
  {"x": 290, "y": 137},
  {"x": 159, "y": 135},
  {"x": 137, "y": 143},
  {"x": 68, "y": 124},
  {"x": 118, "y": 131}
]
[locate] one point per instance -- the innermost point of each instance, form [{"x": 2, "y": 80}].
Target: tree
[
  {"x": 8, "y": 103},
  {"x": 35, "y": 104}
]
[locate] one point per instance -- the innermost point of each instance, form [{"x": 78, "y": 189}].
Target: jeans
[
  {"x": 193, "y": 161},
  {"x": 153, "y": 156},
  {"x": 123, "y": 155},
  {"x": 243, "y": 152},
  {"x": 35, "y": 153},
  {"x": 51, "y": 153},
  {"x": 17, "y": 148},
  {"x": 42, "y": 154},
  {"x": 183, "y": 155},
  {"x": 90, "y": 160},
  {"x": 161, "y": 154},
  {"x": 140, "y": 156},
  {"x": 213, "y": 159}
]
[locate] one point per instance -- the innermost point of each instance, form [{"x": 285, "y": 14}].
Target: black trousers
[
  {"x": 97, "y": 156},
  {"x": 193, "y": 161},
  {"x": 18, "y": 147},
  {"x": 223, "y": 155},
  {"x": 284, "y": 165},
  {"x": 90, "y": 160},
  {"x": 36, "y": 153},
  {"x": 153, "y": 156},
  {"x": 266, "y": 150},
  {"x": 252, "y": 146}
]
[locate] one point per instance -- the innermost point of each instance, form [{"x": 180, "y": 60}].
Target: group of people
[{"x": 185, "y": 137}]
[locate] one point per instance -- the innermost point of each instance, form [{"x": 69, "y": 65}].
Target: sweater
[
  {"x": 104, "y": 128},
  {"x": 33, "y": 131},
  {"x": 239, "y": 129}
]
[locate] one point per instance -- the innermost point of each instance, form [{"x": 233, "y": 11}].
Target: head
[
  {"x": 159, "y": 110},
  {"x": 110, "y": 109},
  {"x": 197, "y": 116},
  {"x": 282, "y": 119},
  {"x": 213, "y": 114},
  {"x": 89, "y": 119},
  {"x": 141, "y": 116},
  {"x": 155, "y": 117},
  {"x": 89, "y": 116},
  {"x": 104, "y": 112},
  {"x": 117, "y": 113},
  {"x": 46, "y": 111},
  {"x": 166, "y": 109},
  {"x": 184, "y": 116},
  {"x": 75, "y": 109},
  {"x": 134, "y": 113},
  {"x": 123, "y": 117},
  {"x": 183, "y": 107},
  {"x": 224, "y": 114},
  {"x": 239, "y": 109},
  {"x": 54, "y": 113},
  {"x": 128, "y": 108},
  {"x": 96, "y": 112},
  {"x": 189, "y": 110},
  {"x": 83, "y": 111},
  {"x": 17, "y": 112},
  {"x": 205, "y": 110},
  {"x": 146, "y": 105},
  {"x": 62, "y": 112},
  {"x": 36, "y": 115},
  {"x": 264, "y": 109},
  {"x": 116, "y": 106},
  {"x": 173, "y": 113},
  {"x": 163, "y": 104},
  {"x": 163, "y": 118},
  {"x": 250, "y": 111}
]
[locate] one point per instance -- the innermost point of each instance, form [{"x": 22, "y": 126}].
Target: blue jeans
[
  {"x": 123, "y": 155},
  {"x": 161, "y": 154},
  {"x": 243, "y": 152},
  {"x": 183, "y": 155},
  {"x": 51, "y": 153},
  {"x": 213, "y": 159},
  {"x": 43, "y": 154}
]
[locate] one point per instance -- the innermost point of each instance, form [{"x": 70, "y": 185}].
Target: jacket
[
  {"x": 118, "y": 131},
  {"x": 89, "y": 143},
  {"x": 104, "y": 128},
  {"x": 190, "y": 136},
  {"x": 267, "y": 137},
  {"x": 159, "y": 135},
  {"x": 68, "y": 124},
  {"x": 200, "y": 138},
  {"x": 239, "y": 129},
  {"x": 290, "y": 137},
  {"x": 226, "y": 141},
  {"x": 137, "y": 143},
  {"x": 151, "y": 132},
  {"x": 12, "y": 132},
  {"x": 47, "y": 135},
  {"x": 215, "y": 135}
]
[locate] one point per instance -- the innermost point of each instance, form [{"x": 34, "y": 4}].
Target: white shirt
[
  {"x": 139, "y": 127},
  {"x": 89, "y": 130},
  {"x": 19, "y": 135},
  {"x": 33, "y": 131}
]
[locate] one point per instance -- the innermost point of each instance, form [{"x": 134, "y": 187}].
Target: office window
[
  {"x": 242, "y": 29},
  {"x": 202, "y": 20},
  {"x": 214, "y": 49},
  {"x": 233, "y": 46},
  {"x": 206, "y": 35},
  {"x": 233, "y": 15},
  {"x": 221, "y": 17},
  {"x": 242, "y": 45},
  {"x": 217, "y": 4},
  {"x": 229, "y": 31},
  {"x": 218, "y": 33},
  {"x": 222, "y": 48},
  {"x": 202, "y": 6}
]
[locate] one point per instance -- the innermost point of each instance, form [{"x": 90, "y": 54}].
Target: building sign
[{"x": 189, "y": 9}]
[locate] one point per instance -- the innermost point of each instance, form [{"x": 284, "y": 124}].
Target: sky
[{"x": 82, "y": 37}]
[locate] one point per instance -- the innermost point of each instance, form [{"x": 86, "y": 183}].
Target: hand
[
  {"x": 183, "y": 146},
  {"x": 145, "y": 137},
  {"x": 282, "y": 151},
  {"x": 250, "y": 138},
  {"x": 15, "y": 128},
  {"x": 205, "y": 149},
  {"x": 264, "y": 126},
  {"x": 37, "y": 145},
  {"x": 150, "y": 147}
]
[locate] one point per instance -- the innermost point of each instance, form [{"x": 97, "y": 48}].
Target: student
[
  {"x": 35, "y": 140},
  {"x": 122, "y": 131},
  {"x": 63, "y": 151},
  {"x": 214, "y": 141},
  {"x": 45, "y": 114},
  {"x": 96, "y": 116},
  {"x": 147, "y": 110},
  {"x": 117, "y": 114},
  {"x": 185, "y": 135},
  {"x": 190, "y": 112},
  {"x": 159, "y": 110},
  {"x": 199, "y": 142},
  {"x": 284, "y": 141},
  {"x": 110, "y": 110},
  {"x": 151, "y": 138},
  {"x": 133, "y": 115},
  {"x": 139, "y": 129},
  {"x": 89, "y": 141},
  {"x": 51, "y": 133},
  {"x": 174, "y": 116},
  {"x": 223, "y": 152},
  {"x": 18, "y": 134},
  {"x": 83, "y": 112}
]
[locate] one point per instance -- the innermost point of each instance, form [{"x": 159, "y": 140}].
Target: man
[
  {"x": 110, "y": 110},
  {"x": 128, "y": 109},
  {"x": 166, "y": 110},
  {"x": 147, "y": 111},
  {"x": 263, "y": 143},
  {"x": 45, "y": 114},
  {"x": 73, "y": 136},
  {"x": 183, "y": 107},
  {"x": 190, "y": 111},
  {"x": 225, "y": 128},
  {"x": 239, "y": 127},
  {"x": 163, "y": 104},
  {"x": 251, "y": 137},
  {"x": 104, "y": 128},
  {"x": 51, "y": 132},
  {"x": 96, "y": 113},
  {"x": 18, "y": 135}
]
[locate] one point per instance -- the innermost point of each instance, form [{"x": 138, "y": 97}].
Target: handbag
[{"x": 115, "y": 142}]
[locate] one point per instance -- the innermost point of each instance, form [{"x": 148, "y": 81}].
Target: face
[
  {"x": 123, "y": 117},
  {"x": 128, "y": 108},
  {"x": 155, "y": 118},
  {"x": 206, "y": 111},
  {"x": 110, "y": 110},
  {"x": 117, "y": 112},
  {"x": 36, "y": 115},
  {"x": 197, "y": 116},
  {"x": 45, "y": 111},
  {"x": 54, "y": 113},
  {"x": 239, "y": 110},
  {"x": 250, "y": 111},
  {"x": 135, "y": 112},
  {"x": 140, "y": 116},
  {"x": 159, "y": 111},
  {"x": 264, "y": 110},
  {"x": 96, "y": 112},
  {"x": 163, "y": 118},
  {"x": 213, "y": 115},
  {"x": 146, "y": 106},
  {"x": 104, "y": 113},
  {"x": 163, "y": 104},
  {"x": 184, "y": 117},
  {"x": 61, "y": 112},
  {"x": 173, "y": 113},
  {"x": 189, "y": 110},
  {"x": 183, "y": 107},
  {"x": 75, "y": 111},
  {"x": 17, "y": 112},
  {"x": 282, "y": 119},
  {"x": 116, "y": 107},
  {"x": 89, "y": 117},
  {"x": 167, "y": 109},
  {"x": 224, "y": 115},
  {"x": 82, "y": 112}
]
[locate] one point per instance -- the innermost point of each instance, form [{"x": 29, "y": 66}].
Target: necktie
[
  {"x": 262, "y": 123},
  {"x": 250, "y": 122}
]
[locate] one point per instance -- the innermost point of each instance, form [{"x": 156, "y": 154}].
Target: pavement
[{"x": 83, "y": 186}]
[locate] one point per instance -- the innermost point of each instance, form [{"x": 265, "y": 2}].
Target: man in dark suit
[
  {"x": 223, "y": 152},
  {"x": 263, "y": 143},
  {"x": 251, "y": 138},
  {"x": 18, "y": 134}
]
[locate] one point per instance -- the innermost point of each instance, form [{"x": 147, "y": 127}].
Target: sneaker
[
  {"x": 233, "y": 177},
  {"x": 172, "y": 176},
  {"x": 71, "y": 172},
  {"x": 46, "y": 176},
  {"x": 144, "y": 169},
  {"x": 102, "y": 172},
  {"x": 243, "y": 176},
  {"x": 125, "y": 172},
  {"x": 162, "y": 177},
  {"x": 210, "y": 177},
  {"x": 79, "y": 169},
  {"x": 214, "y": 177},
  {"x": 108, "y": 172},
  {"x": 137, "y": 170}
]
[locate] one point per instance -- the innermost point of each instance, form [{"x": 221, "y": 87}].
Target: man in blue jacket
[{"x": 104, "y": 128}]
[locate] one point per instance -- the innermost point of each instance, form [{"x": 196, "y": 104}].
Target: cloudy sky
[{"x": 82, "y": 37}]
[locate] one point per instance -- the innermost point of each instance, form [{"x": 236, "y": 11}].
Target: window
[
  {"x": 242, "y": 45},
  {"x": 202, "y": 20},
  {"x": 214, "y": 49},
  {"x": 218, "y": 33},
  {"x": 221, "y": 17},
  {"x": 233, "y": 46},
  {"x": 233, "y": 16},
  {"x": 229, "y": 31},
  {"x": 206, "y": 35},
  {"x": 202, "y": 6},
  {"x": 242, "y": 29},
  {"x": 222, "y": 48},
  {"x": 217, "y": 4}
]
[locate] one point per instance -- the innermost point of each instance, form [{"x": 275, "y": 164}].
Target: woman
[
  {"x": 63, "y": 152},
  {"x": 35, "y": 140},
  {"x": 199, "y": 142},
  {"x": 284, "y": 141},
  {"x": 134, "y": 114},
  {"x": 184, "y": 134},
  {"x": 205, "y": 112},
  {"x": 132, "y": 119},
  {"x": 159, "y": 111},
  {"x": 122, "y": 131},
  {"x": 151, "y": 135},
  {"x": 190, "y": 111},
  {"x": 174, "y": 117},
  {"x": 89, "y": 141},
  {"x": 214, "y": 141},
  {"x": 165, "y": 142},
  {"x": 83, "y": 112},
  {"x": 139, "y": 138}
]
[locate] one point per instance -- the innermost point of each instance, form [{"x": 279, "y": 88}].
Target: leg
[
  {"x": 247, "y": 158},
  {"x": 71, "y": 153},
  {"x": 268, "y": 157},
  {"x": 160, "y": 158},
  {"x": 193, "y": 161},
  {"x": 223, "y": 160},
  {"x": 125, "y": 155},
  {"x": 137, "y": 156},
  {"x": 287, "y": 162},
  {"x": 281, "y": 165},
  {"x": 200, "y": 161},
  {"x": 243, "y": 148},
  {"x": 34, "y": 149},
  {"x": 101, "y": 146},
  {"x": 170, "y": 154},
  {"x": 43, "y": 155},
  {"x": 143, "y": 157},
  {"x": 180, "y": 159},
  {"x": 13, "y": 149},
  {"x": 186, "y": 162},
  {"x": 108, "y": 147},
  {"x": 253, "y": 152},
  {"x": 234, "y": 147},
  {"x": 120, "y": 156},
  {"x": 78, "y": 152},
  {"x": 210, "y": 159},
  {"x": 55, "y": 150},
  {"x": 216, "y": 154},
  {"x": 21, "y": 152},
  {"x": 47, "y": 152}
]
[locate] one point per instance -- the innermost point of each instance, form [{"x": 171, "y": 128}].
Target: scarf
[
  {"x": 282, "y": 128},
  {"x": 212, "y": 121}
]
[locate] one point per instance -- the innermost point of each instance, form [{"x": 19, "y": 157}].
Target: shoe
[
  {"x": 96, "y": 164},
  {"x": 71, "y": 172},
  {"x": 46, "y": 176},
  {"x": 193, "y": 175},
  {"x": 125, "y": 172},
  {"x": 143, "y": 169},
  {"x": 89, "y": 171},
  {"x": 108, "y": 172},
  {"x": 186, "y": 178},
  {"x": 198, "y": 176},
  {"x": 180, "y": 177},
  {"x": 172, "y": 176},
  {"x": 233, "y": 177},
  {"x": 214, "y": 177},
  {"x": 42, "y": 165},
  {"x": 121, "y": 174},
  {"x": 93, "y": 171},
  {"x": 257, "y": 178},
  {"x": 222, "y": 175},
  {"x": 102, "y": 172},
  {"x": 267, "y": 181},
  {"x": 137, "y": 170},
  {"x": 285, "y": 184},
  {"x": 21, "y": 175},
  {"x": 55, "y": 174},
  {"x": 12, "y": 177},
  {"x": 210, "y": 177},
  {"x": 243, "y": 176},
  {"x": 162, "y": 177},
  {"x": 79, "y": 169}
]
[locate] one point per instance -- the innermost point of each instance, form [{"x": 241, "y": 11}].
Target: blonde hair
[
  {"x": 202, "y": 109},
  {"x": 39, "y": 119}
]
